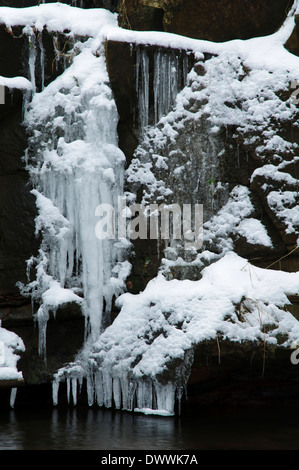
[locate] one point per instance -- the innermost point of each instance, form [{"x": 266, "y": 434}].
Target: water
[{"x": 86, "y": 428}]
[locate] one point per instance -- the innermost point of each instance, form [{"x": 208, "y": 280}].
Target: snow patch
[{"x": 11, "y": 345}]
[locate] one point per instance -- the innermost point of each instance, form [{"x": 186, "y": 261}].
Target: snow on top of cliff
[{"x": 261, "y": 52}]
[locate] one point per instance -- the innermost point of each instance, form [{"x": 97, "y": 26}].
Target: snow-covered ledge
[{"x": 11, "y": 345}]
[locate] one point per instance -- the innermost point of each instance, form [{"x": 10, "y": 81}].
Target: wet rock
[
  {"x": 64, "y": 338},
  {"x": 241, "y": 374},
  {"x": 207, "y": 19},
  {"x": 17, "y": 211},
  {"x": 292, "y": 44}
]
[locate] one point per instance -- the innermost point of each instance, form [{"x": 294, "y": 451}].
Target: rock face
[
  {"x": 224, "y": 159},
  {"x": 231, "y": 374},
  {"x": 205, "y": 19},
  {"x": 18, "y": 210}
]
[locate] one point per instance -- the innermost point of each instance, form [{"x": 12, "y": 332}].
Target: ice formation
[
  {"x": 142, "y": 361},
  {"x": 75, "y": 165},
  {"x": 170, "y": 69}
]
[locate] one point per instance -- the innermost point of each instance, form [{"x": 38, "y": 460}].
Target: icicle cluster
[
  {"x": 123, "y": 389},
  {"x": 160, "y": 75},
  {"x": 75, "y": 165}
]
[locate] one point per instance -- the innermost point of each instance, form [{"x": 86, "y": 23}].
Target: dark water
[{"x": 100, "y": 429}]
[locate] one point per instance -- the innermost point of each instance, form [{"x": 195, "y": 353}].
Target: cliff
[{"x": 202, "y": 111}]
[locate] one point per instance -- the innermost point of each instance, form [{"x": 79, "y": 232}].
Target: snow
[
  {"x": 279, "y": 202},
  {"x": 254, "y": 231},
  {"x": 201, "y": 309},
  {"x": 75, "y": 164},
  {"x": 11, "y": 345},
  {"x": 150, "y": 411},
  {"x": 20, "y": 83},
  {"x": 59, "y": 17},
  {"x": 163, "y": 324},
  {"x": 231, "y": 218}
]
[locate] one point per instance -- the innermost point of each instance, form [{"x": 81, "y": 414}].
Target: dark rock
[
  {"x": 241, "y": 374},
  {"x": 17, "y": 212},
  {"x": 121, "y": 69},
  {"x": 208, "y": 19},
  {"x": 12, "y": 53},
  {"x": 292, "y": 44},
  {"x": 64, "y": 339},
  {"x": 293, "y": 307},
  {"x": 138, "y": 16}
]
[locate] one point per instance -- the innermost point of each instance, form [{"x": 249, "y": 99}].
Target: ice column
[{"x": 142, "y": 85}]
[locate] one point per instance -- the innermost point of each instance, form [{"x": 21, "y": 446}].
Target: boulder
[
  {"x": 244, "y": 374},
  {"x": 206, "y": 19}
]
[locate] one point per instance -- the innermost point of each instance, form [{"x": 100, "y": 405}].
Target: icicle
[
  {"x": 167, "y": 82},
  {"x": 157, "y": 84},
  {"x": 168, "y": 79},
  {"x": 144, "y": 394},
  {"x": 74, "y": 173},
  {"x": 74, "y": 390},
  {"x": 68, "y": 381},
  {"x": 90, "y": 389},
  {"x": 165, "y": 395},
  {"x": 42, "y": 59},
  {"x": 32, "y": 60},
  {"x": 56, "y": 51},
  {"x": 42, "y": 317},
  {"x": 125, "y": 392},
  {"x": 107, "y": 388},
  {"x": 13, "y": 395},
  {"x": 185, "y": 69},
  {"x": 142, "y": 84},
  {"x": 55, "y": 390},
  {"x": 179, "y": 395},
  {"x": 117, "y": 393},
  {"x": 98, "y": 386}
]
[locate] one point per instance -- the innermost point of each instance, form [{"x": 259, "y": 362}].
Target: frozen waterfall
[{"x": 75, "y": 165}]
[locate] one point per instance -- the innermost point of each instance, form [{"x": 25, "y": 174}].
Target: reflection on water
[
  {"x": 86, "y": 429},
  {"x": 98, "y": 429}
]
